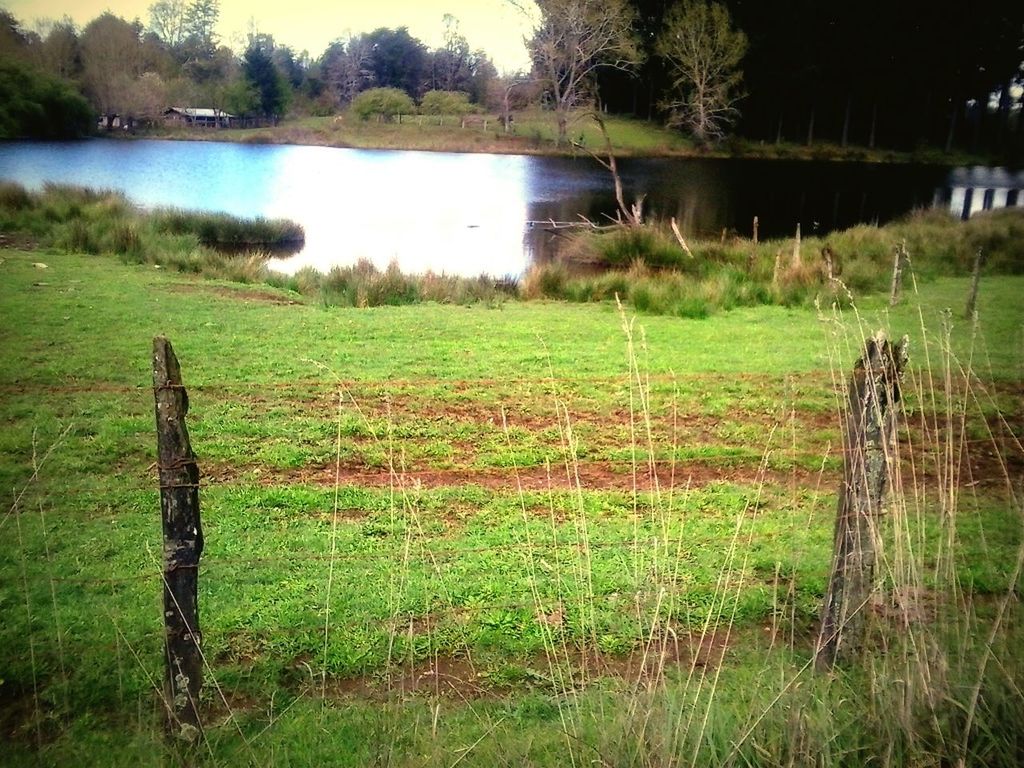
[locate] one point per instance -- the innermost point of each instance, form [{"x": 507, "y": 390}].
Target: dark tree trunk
[
  {"x": 951, "y": 133},
  {"x": 846, "y": 121}
]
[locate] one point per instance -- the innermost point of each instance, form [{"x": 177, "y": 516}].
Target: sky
[{"x": 496, "y": 26}]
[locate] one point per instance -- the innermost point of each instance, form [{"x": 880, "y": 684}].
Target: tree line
[
  {"x": 870, "y": 73},
  {"x": 136, "y": 70},
  {"x": 873, "y": 73}
]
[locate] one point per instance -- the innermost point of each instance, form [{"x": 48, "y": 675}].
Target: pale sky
[{"x": 493, "y": 25}]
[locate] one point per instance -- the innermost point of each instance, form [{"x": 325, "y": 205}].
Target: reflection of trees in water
[{"x": 709, "y": 196}]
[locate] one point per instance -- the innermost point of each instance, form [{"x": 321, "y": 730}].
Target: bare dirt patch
[
  {"x": 559, "y": 669},
  {"x": 238, "y": 294},
  {"x": 588, "y": 475},
  {"x": 18, "y": 241}
]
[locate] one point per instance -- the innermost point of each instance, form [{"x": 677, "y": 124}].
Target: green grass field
[{"x": 534, "y": 533}]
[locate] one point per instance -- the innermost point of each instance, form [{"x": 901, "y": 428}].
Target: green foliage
[
  {"x": 445, "y": 103},
  {"x": 385, "y": 103},
  {"x": 268, "y": 83},
  {"x": 38, "y": 106},
  {"x": 241, "y": 97}
]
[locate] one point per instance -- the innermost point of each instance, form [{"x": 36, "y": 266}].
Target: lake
[{"x": 469, "y": 214}]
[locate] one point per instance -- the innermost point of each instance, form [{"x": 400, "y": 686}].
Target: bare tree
[
  {"x": 147, "y": 98},
  {"x": 111, "y": 62},
  {"x": 59, "y": 52},
  {"x": 508, "y": 93},
  {"x": 347, "y": 67},
  {"x": 575, "y": 39},
  {"x": 703, "y": 52},
  {"x": 167, "y": 21},
  {"x": 451, "y": 62}
]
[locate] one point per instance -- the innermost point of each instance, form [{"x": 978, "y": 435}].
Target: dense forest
[{"x": 897, "y": 75}]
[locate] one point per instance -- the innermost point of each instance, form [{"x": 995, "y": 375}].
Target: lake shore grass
[
  {"x": 515, "y": 534},
  {"x": 535, "y": 133},
  {"x": 643, "y": 266},
  {"x": 81, "y": 220}
]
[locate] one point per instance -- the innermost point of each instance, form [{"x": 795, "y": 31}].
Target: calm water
[{"x": 466, "y": 213}]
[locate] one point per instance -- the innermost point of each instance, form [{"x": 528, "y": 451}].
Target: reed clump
[
  {"x": 90, "y": 221},
  {"x": 646, "y": 267},
  {"x": 363, "y": 284},
  {"x": 221, "y": 229}
]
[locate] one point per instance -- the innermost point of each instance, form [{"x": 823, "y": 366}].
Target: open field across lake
[{"x": 534, "y": 533}]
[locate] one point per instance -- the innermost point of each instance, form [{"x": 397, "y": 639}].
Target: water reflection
[
  {"x": 462, "y": 214},
  {"x": 469, "y": 213}
]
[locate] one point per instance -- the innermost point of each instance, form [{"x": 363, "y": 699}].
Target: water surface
[{"x": 467, "y": 213}]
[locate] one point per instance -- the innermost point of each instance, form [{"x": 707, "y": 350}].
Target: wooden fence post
[
  {"x": 756, "y": 223},
  {"x": 183, "y": 545},
  {"x": 829, "y": 257},
  {"x": 972, "y": 298},
  {"x": 869, "y": 436},
  {"x": 796, "y": 248},
  {"x": 897, "y": 273}
]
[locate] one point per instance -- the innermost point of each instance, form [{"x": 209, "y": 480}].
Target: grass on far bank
[
  {"x": 536, "y": 132},
  {"x": 433, "y": 533}
]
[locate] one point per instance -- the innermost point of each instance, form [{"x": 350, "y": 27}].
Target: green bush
[
  {"x": 445, "y": 103},
  {"x": 37, "y": 106},
  {"x": 385, "y": 103}
]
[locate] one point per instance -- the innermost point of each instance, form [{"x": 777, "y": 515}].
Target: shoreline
[{"x": 534, "y": 137}]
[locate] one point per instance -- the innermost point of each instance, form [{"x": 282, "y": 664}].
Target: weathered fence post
[
  {"x": 183, "y": 545},
  {"x": 829, "y": 257},
  {"x": 796, "y": 248},
  {"x": 756, "y": 223},
  {"x": 972, "y": 298},
  {"x": 869, "y": 436},
  {"x": 897, "y": 273}
]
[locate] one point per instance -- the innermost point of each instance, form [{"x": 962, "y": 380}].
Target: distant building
[
  {"x": 198, "y": 117},
  {"x": 113, "y": 120},
  {"x": 971, "y": 190}
]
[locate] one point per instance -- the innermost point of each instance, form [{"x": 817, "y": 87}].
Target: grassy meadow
[{"x": 502, "y": 533}]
